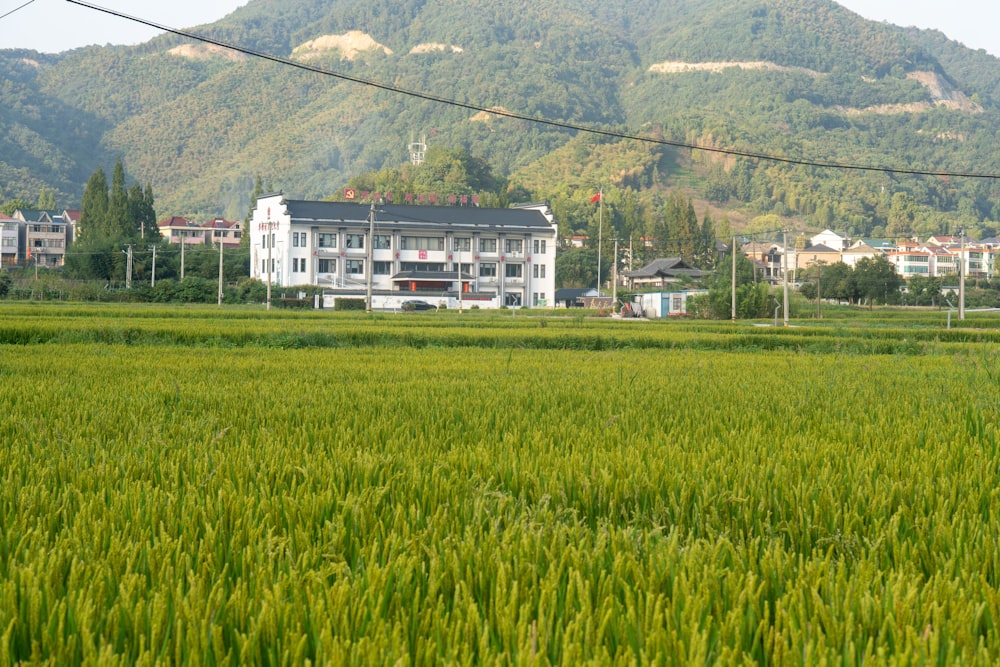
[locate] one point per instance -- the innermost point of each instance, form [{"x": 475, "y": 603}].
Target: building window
[
  {"x": 421, "y": 243},
  {"x": 514, "y": 270},
  {"x": 463, "y": 244},
  {"x": 538, "y": 271},
  {"x": 488, "y": 270},
  {"x": 421, "y": 266},
  {"x": 327, "y": 240},
  {"x": 382, "y": 268},
  {"x": 354, "y": 241},
  {"x": 513, "y": 245},
  {"x": 354, "y": 267},
  {"x": 327, "y": 266},
  {"x": 488, "y": 245},
  {"x": 539, "y": 247},
  {"x": 382, "y": 242}
]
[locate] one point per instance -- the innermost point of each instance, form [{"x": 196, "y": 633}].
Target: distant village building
[
  {"x": 46, "y": 237},
  {"x": 11, "y": 241},
  {"x": 176, "y": 229},
  {"x": 662, "y": 272},
  {"x": 815, "y": 255},
  {"x": 487, "y": 257},
  {"x": 830, "y": 239}
]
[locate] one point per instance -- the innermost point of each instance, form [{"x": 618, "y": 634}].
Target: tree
[
  {"x": 877, "y": 279},
  {"x": 577, "y": 267},
  {"x": 141, "y": 213},
  {"x": 902, "y": 213},
  {"x": 12, "y": 205},
  {"x": 751, "y": 298},
  {"x": 119, "y": 222},
  {"x": 94, "y": 214},
  {"x": 46, "y": 200}
]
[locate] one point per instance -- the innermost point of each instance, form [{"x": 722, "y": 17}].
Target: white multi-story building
[
  {"x": 491, "y": 257},
  {"x": 11, "y": 241}
]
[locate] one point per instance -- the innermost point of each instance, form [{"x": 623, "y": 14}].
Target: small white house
[
  {"x": 665, "y": 304},
  {"x": 830, "y": 239}
]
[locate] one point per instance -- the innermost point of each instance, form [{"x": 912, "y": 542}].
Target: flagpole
[{"x": 600, "y": 235}]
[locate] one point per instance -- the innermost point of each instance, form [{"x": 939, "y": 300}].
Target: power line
[
  {"x": 533, "y": 119},
  {"x": 16, "y": 9}
]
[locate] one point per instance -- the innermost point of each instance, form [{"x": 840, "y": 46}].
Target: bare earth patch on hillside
[
  {"x": 486, "y": 116},
  {"x": 942, "y": 92},
  {"x": 676, "y": 67},
  {"x": 350, "y": 44},
  {"x": 435, "y": 48},
  {"x": 206, "y": 52}
]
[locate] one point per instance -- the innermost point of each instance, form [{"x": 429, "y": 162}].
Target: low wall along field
[{"x": 234, "y": 486}]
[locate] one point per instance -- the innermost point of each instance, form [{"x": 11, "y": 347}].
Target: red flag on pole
[{"x": 596, "y": 198}]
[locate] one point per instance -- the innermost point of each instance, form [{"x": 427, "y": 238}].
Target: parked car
[{"x": 417, "y": 304}]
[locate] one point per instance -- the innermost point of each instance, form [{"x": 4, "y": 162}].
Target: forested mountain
[{"x": 805, "y": 79}]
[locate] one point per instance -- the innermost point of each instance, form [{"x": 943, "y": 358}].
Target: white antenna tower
[{"x": 418, "y": 150}]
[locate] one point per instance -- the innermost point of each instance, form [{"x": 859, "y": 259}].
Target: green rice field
[{"x": 227, "y": 487}]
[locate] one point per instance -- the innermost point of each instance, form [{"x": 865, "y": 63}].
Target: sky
[{"x": 52, "y": 26}]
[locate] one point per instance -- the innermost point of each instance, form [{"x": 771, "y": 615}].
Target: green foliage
[
  {"x": 577, "y": 267},
  {"x": 349, "y": 304},
  {"x": 11, "y": 205},
  {"x": 752, "y": 298}
]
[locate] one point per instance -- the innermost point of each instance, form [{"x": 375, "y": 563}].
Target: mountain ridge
[{"x": 200, "y": 124}]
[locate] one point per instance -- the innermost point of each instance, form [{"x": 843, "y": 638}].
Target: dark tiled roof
[
  {"x": 820, "y": 248},
  {"x": 573, "y": 293},
  {"x": 402, "y": 215},
  {"x": 666, "y": 266}
]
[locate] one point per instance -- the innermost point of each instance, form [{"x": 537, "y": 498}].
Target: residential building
[
  {"x": 479, "y": 256},
  {"x": 910, "y": 262},
  {"x": 816, "y": 254},
  {"x": 46, "y": 237},
  {"x": 177, "y": 229},
  {"x": 859, "y": 251},
  {"x": 662, "y": 272},
  {"x": 830, "y": 239},
  {"x": 11, "y": 241},
  {"x": 768, "y": 259},
  {"x": 664, "y": 304}
]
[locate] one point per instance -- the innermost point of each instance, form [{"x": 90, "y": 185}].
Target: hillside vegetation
[{"x": 806, "y": 79}]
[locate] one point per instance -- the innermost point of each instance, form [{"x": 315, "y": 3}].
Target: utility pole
[
  {"x": 128, "y": 266},
  {"x": 368, "y": 264},
  {"x": 784, "y": 261},
  {"x": 732, "y": 286},
  {"x": 458, "y": 254},
  {"x": 819, "y": 287},
  {"x": 600, "y": 234},
  {"x": 220, "y": 271},
  {"x": 183, "y": 243},
  {"x": 153, "y": 248},
  {"x": 614, "y": 278},
  {"x": 961, "y": 280},
  {"x": 269, "y": 242}
]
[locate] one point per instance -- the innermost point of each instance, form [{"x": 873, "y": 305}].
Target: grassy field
[{"x": 234, "y": 486}]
